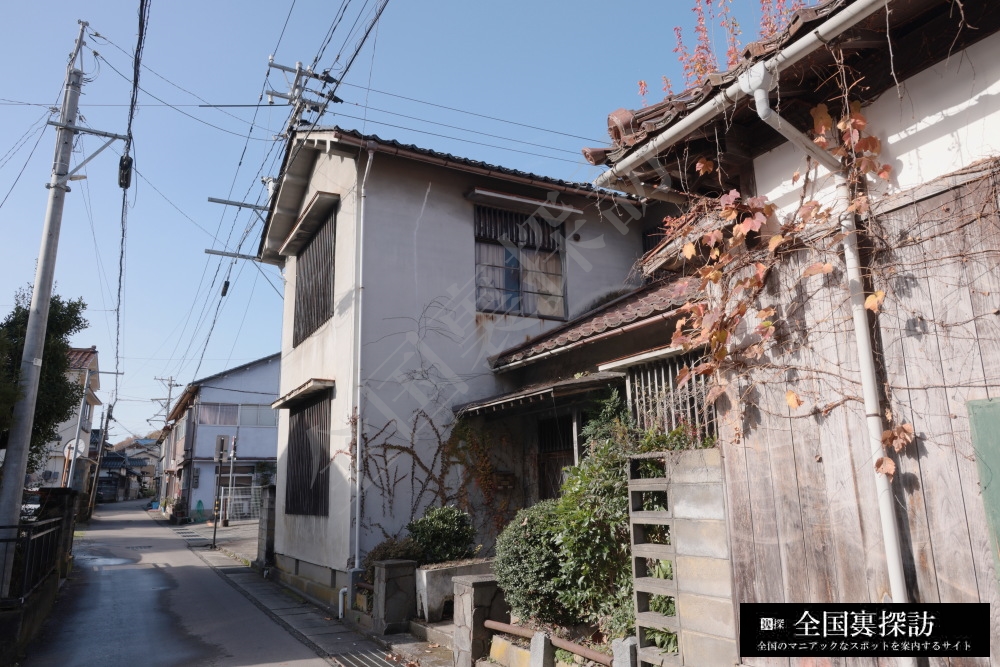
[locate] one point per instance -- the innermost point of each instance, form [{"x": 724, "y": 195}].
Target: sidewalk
[{"x": 314, "y": 626}]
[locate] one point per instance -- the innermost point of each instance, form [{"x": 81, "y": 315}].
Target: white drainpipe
[
  {"x": 758, "y": 81},
  {"x": 788, "y": 56},
  {"x": 358, "y": 277}
]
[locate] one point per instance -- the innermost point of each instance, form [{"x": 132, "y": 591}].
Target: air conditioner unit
[{"x": 47, "y": 475}]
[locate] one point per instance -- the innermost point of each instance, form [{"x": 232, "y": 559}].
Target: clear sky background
[{"x": 560, "y": 67}]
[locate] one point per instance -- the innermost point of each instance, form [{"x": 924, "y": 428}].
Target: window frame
[{"x": 520, "y": 236}]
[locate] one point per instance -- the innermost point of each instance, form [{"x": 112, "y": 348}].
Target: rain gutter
[{"x": 720, "y": 103}]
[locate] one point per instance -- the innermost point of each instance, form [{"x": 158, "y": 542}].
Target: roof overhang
[
  {"x": 316, "y": 212},
  {"x": 303, "y": 392},
  {"x": 539, "y": 394},
  {"x": 642, "y": 358},
  {"x": 518, "y": 203}
]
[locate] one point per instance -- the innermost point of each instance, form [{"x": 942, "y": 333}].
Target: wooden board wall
[{"x": 803, "y": 518}]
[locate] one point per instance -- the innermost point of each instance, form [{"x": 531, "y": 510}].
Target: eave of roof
[
  {"x": 920, "y": 33},
  {"x": 637, "y": 308},
  {"x": 539, "y": 392}
]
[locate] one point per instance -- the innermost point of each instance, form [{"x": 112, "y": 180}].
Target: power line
[
  {"x": 468, "y": 141},
  {"x": 472, "y": 113},
  {"x": 179, "y": 110},
  {"x": 41, "y": 133}
]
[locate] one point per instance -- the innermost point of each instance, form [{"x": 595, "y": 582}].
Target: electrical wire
[
  {"x": 133, "y": 100},
  {"x": 472, "y": 113},
  {"x": 181, "y": 111},
  {"x": 468, "y": 141},
  {"x": 41, "y": 133}
]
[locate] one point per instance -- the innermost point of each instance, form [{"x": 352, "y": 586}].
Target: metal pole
[
  {"x": 76, "y": 436},
  {"x": 232, "y": 460},
  {"x": 19, "y": 443},
  {"x": 218, "y": 483}
]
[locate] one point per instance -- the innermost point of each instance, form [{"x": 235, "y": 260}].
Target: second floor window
[
  {"x": 518, "y": 264},
  {"x": 314, "y": 282}
]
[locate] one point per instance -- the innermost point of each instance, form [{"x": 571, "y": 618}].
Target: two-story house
[
  {"x": 210, "y": 414},
  {"x": 406, "y": 270},
  {"x": 74, "y": 433}
]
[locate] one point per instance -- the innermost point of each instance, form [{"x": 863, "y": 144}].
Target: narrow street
[{"x": 139, "y": 595}]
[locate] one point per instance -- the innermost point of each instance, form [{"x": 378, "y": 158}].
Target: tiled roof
[
  {"x": 645, "y": 302},
  {"x": 81, "y": 357},
  {"x": 467, "y": 162},
  {"x": 630, "y": 128}
]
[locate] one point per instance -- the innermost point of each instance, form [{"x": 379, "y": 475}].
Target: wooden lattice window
[
  {"x": 657, "y": 402},
  {"x": 308, "y": 488},
  {"x": 314, "y": 268}
]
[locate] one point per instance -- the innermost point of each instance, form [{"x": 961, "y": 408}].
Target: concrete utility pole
[
  {"x": 170, "y": 385},
  {"x": 16, "y": 462},
  {"x": 19, "y": 442}
]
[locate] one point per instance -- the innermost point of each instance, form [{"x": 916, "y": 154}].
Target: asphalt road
[{"x": 139, "y": 596}]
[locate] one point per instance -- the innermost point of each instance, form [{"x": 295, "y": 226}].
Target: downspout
[
  {"x": 758, "y": 81},
  {"x": 843, "y": 20},
  {"x": 359, "y": 294}
]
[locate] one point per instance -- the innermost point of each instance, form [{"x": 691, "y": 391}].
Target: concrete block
[
  {"x": 696, "y": 466},
  {"x": 435, "y": 588},
  {"x": 623, "y": 652},
  {"x": 395, "y": 595},
  {"x": 706, "y": 576},
  {"x": 317, "y": 573},
  {"x": 709, "y": 615},
  {"x": 697, "y": 501},
  {"x": 700, "y": 537},
  {"x": 286, "y": 564},
  {"x": 542, "y": 653},
  {"x": 701, "y": 649}
]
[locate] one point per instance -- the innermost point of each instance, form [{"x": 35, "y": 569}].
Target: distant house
[
  {"x": 406, "y": 270},
  {"x": 121, "y": 477},
  {"x": 83, "y": 367},
  {"x": 210, "y": 413},
  {"x": 801, "y": 423}
]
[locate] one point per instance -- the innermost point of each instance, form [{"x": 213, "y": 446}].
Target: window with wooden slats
[
  {"x": 308, "y": 488},
  {"x": 314, "y": 270},
  {"x": 658, "y": 403},
  {"x": 518, "y": 264}
]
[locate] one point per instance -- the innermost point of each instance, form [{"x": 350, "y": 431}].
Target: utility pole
[
  {"x": 296, "y": 90},
  {"x": 100, "y": 457},
  {"x": 169, "y": 383},
  {"x": 19, "y": 443}
]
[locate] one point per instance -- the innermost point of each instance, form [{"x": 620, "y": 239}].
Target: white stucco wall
[
  {"x": 426, "y": 347},
  {"x": 327, "y": 354},
  {"x": 940, "y": 120}
]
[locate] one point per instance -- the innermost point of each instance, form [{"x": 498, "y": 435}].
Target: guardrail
[
  {"x": 36, "y": 554},
  {"x": 576, "y": 649}
]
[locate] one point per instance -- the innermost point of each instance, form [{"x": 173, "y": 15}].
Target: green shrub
[
  {"x": 443, "y": 534},
  {"x": 595, "y": 552},
  {"x": 390, "y": 549},
  {"x": 527, "y": 564}
]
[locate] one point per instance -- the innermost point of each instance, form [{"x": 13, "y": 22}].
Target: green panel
[{"x": 985, "y": 418}]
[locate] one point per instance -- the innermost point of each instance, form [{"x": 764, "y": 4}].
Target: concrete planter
[
  {"x": 504, "y": 652},
  {"x": 435, "y": 587}
]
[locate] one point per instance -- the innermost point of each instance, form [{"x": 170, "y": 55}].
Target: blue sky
[{"x": 557, "y": 66}]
